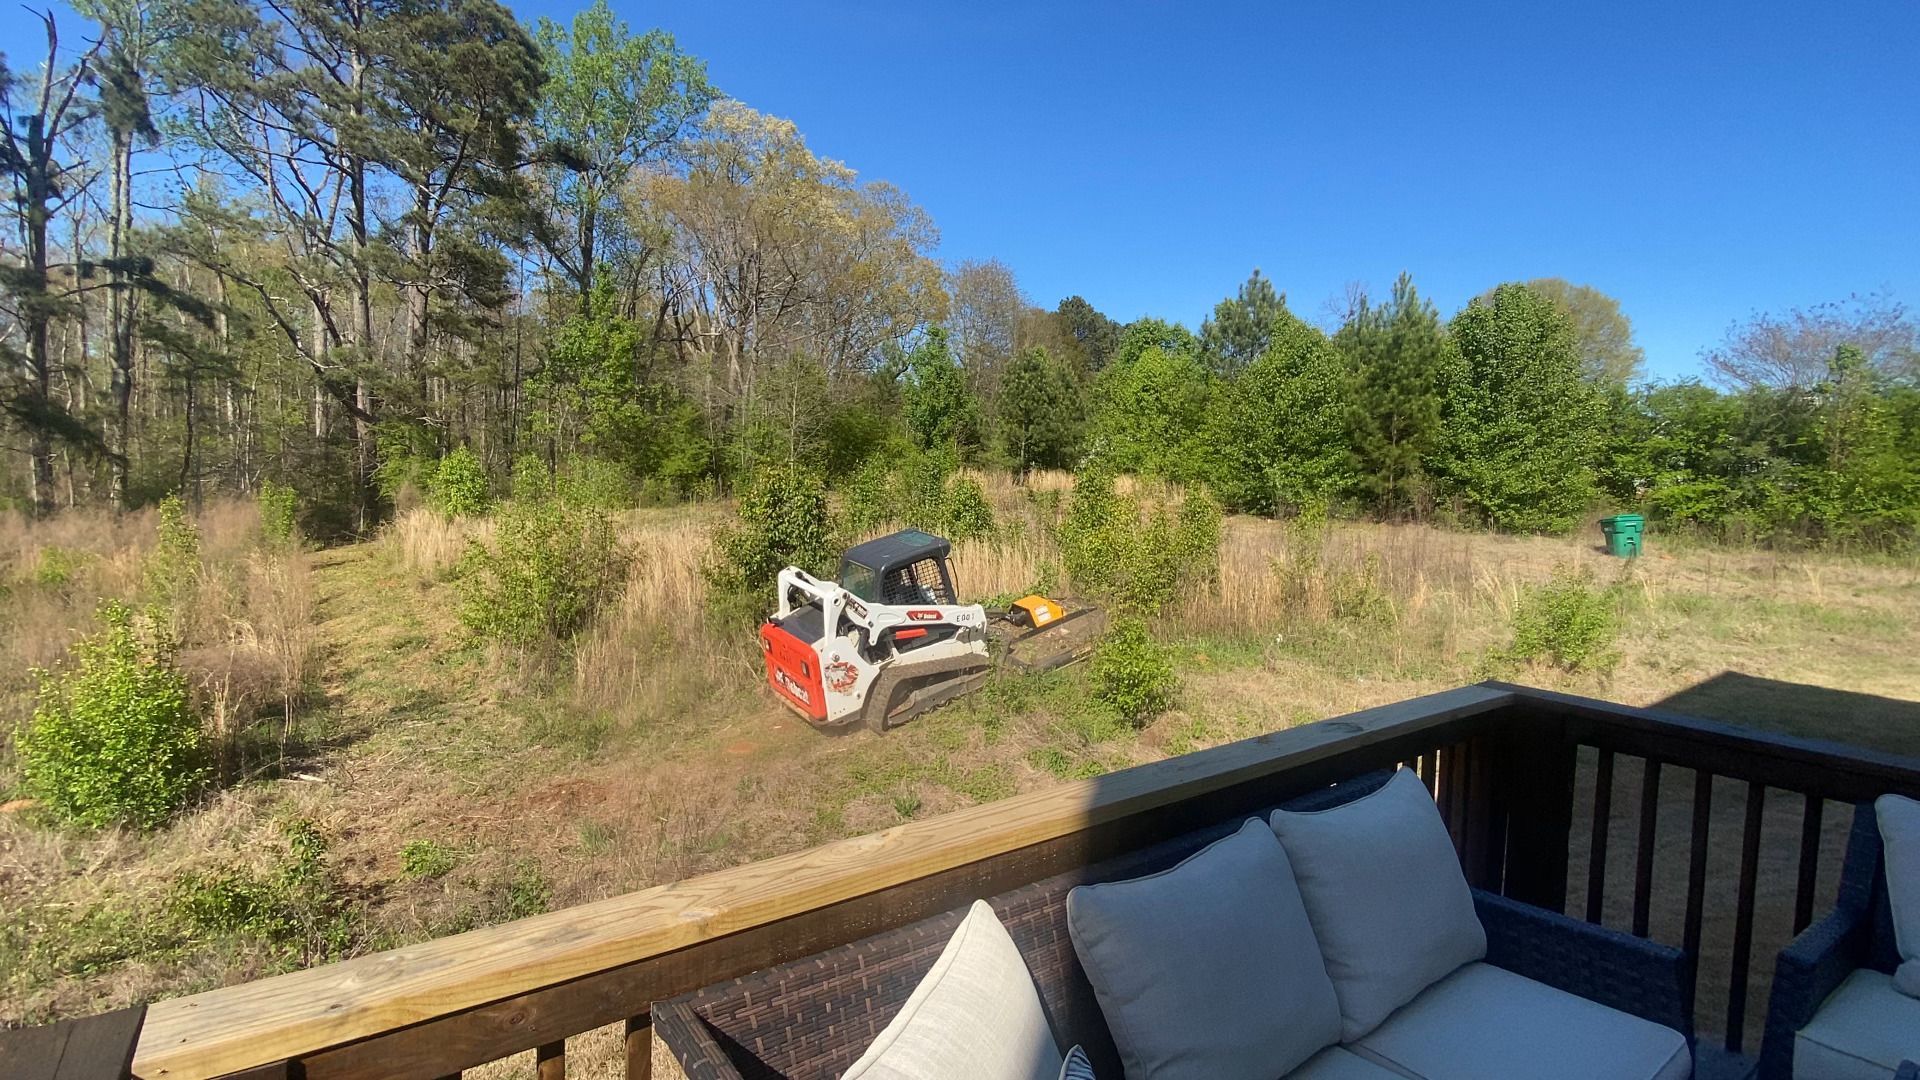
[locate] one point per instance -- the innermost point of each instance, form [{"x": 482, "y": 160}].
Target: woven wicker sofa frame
[
  {"x": 812, "y": 1018},
  {"x": 1858, "y": 933}
]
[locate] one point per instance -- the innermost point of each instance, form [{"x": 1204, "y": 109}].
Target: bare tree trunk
[{"x": 120, "y": 318}]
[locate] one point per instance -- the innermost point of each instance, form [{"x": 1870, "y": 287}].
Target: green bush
[
  {"x": 58, "y": 566},
  {"x": 550, "y": 566},
  {"x": 783, "y": 521},
  {"x": 114, "y": 738},
  {"x": 458, "y": 485},
  {"x": 174, "y": 566},
  {"x": 279, "y": 509},
  {"x": 968, "y": 516},
  {"x": 427, "y": 859},
  {"x": 868, "y": 502},
  {"x": 294, "y": 907},
  {"x": 922, "y": 495},
  {"x": 1138, "y": 562},
  {"x": 1132, "y": 674},
  {"x": 1568, "y": 622}
]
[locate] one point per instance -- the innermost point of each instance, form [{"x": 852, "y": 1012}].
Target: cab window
[{"x": 859, "y": 580}]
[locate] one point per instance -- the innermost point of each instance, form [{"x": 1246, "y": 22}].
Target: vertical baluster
[
  {"x": 1697, "y": 860},
  {"x": 550, "y": 1061},
  {"x": 1455, "y": 777},
  {"x": 1743, "y": 917},
  {"x": 1597, "y": 848},
  {"x": 1425, "y": 769},
  {"x": 1809, "y": 862},
  {"x": 1643, "y": 868},
  {"x": 639, "y": 1048}
]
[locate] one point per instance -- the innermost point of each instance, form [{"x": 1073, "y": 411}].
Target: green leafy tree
[
  {"x": 1151, "y": 413},
  {"x": 783, "y": 521},
  {"x": 612, "y": 103},
  {"x": 1039, "y": 412},
  {"x": 114, "y": 739},
  {"x": 1519, "y": 421},
  {"x": 939, "y": 409},
  {"x": 1279, "y": 431},
  {"x": 549, "y": 567},
  {"x": 1392, "y": 354},
  {"x": 1242, "y": 325},
  {"x": 1602, "y": 333}
]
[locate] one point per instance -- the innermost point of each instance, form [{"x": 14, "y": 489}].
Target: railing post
[
  {"x": 1536, "y": 768},
  {"x": 640, "y": 1047}
]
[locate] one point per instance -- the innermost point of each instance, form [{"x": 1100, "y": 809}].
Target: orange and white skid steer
[{"x": 889, "y": 639}]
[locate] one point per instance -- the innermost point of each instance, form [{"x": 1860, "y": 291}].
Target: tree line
[{"x": 330, "y": 243}]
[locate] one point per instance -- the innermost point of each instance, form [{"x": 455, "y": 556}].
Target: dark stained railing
[{"x": 1525, "y": 779}]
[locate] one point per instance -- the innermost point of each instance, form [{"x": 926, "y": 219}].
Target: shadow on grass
[{"x": 1890, "y": 725}]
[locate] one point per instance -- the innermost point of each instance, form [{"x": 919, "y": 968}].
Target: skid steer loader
[{"x": 889, "y": 639}]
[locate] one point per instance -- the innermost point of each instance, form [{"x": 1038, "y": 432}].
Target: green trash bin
[{"x": 1623, "y": 534}]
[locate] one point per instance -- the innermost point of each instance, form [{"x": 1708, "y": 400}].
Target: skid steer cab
[{"x": 884, "y": 643}]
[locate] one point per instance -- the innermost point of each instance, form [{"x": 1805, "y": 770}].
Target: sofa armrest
[
  {"x": 1810, "y": 968},
  {"x": 1636, "y": 976},
  {"x": 691, "y": 1042}
]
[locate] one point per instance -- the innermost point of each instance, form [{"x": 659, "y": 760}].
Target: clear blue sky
[{"x": 1698, "y": 161}]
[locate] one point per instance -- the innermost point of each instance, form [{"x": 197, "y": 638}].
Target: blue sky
[{"x": 1698, "y": 161}]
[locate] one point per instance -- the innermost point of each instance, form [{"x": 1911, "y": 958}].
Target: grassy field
[{"x": 426, "y": 784}]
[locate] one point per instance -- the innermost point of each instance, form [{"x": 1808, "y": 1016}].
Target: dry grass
[{"x": 651, "y": 753}]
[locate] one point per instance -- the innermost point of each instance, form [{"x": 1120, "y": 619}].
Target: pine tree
[
  {"x": 1039, "y": 411},
  {"x": 1392, "y": 353},
  {"x": 1242, "y": 325}
]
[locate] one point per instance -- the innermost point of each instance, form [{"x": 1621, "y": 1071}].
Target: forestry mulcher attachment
[{"x": 889, "y": 640}]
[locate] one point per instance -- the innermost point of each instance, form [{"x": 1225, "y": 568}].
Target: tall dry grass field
[
  {"x": 657, "y": 652},
  {"x": 242, "y": 624}
]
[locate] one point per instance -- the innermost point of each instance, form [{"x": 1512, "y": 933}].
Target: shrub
[
  {"x": 596, "y": 482},
  {"x": 1567, "y": 621},
  {"x": 174, "y": 566},
  {"x": 922, "y": 498},
  {"x": 869, "y": 499},
  {"x": 550, "y": 567},
  {"x": 458, "y": 486},
  {"x": 114, "y": 738},
  {"x": 783, "y": 521},
  {"x": 278, "y": 515},
  {"x": 968, "y": 517},
  {"x": 1138, "y": 563},
  {"x": 1132, "y": 674},
  {"x": 294, "y": 907},
  {"x": 426, "y": 859},
  {"x": 58, "y": 566}
]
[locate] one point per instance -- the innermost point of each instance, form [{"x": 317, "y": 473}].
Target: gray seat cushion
[
  {"x": 1862, "y": 1032},
  {"x": 1207, "y": 971},
  {"x": 1340, "y": 1063},
  {"x": 1483, "y": 1021},
  {"x": 1388, "y": 901}
]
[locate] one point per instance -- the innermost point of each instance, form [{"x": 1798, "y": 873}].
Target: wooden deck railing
[{"x": 1520, "y": 775}]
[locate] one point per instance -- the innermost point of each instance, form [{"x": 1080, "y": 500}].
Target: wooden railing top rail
[{"x": 253, "y": 1024}]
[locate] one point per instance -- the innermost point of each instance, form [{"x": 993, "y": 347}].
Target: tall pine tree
[{"x": 1392, "y": 353}]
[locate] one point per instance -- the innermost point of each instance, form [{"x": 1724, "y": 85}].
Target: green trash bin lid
[{"x": 1623, "y": 523}]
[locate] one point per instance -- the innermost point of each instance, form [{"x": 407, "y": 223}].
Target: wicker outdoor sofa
[
  {"x": 814, "y": 1017},
  {"x": 1857, "y": 936}
]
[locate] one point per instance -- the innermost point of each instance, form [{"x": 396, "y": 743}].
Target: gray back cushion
[
  {"x": 1208, "y": 970},
  {"x": 1384, "y": 891},
  {"x": 1899, "y": 819}
]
